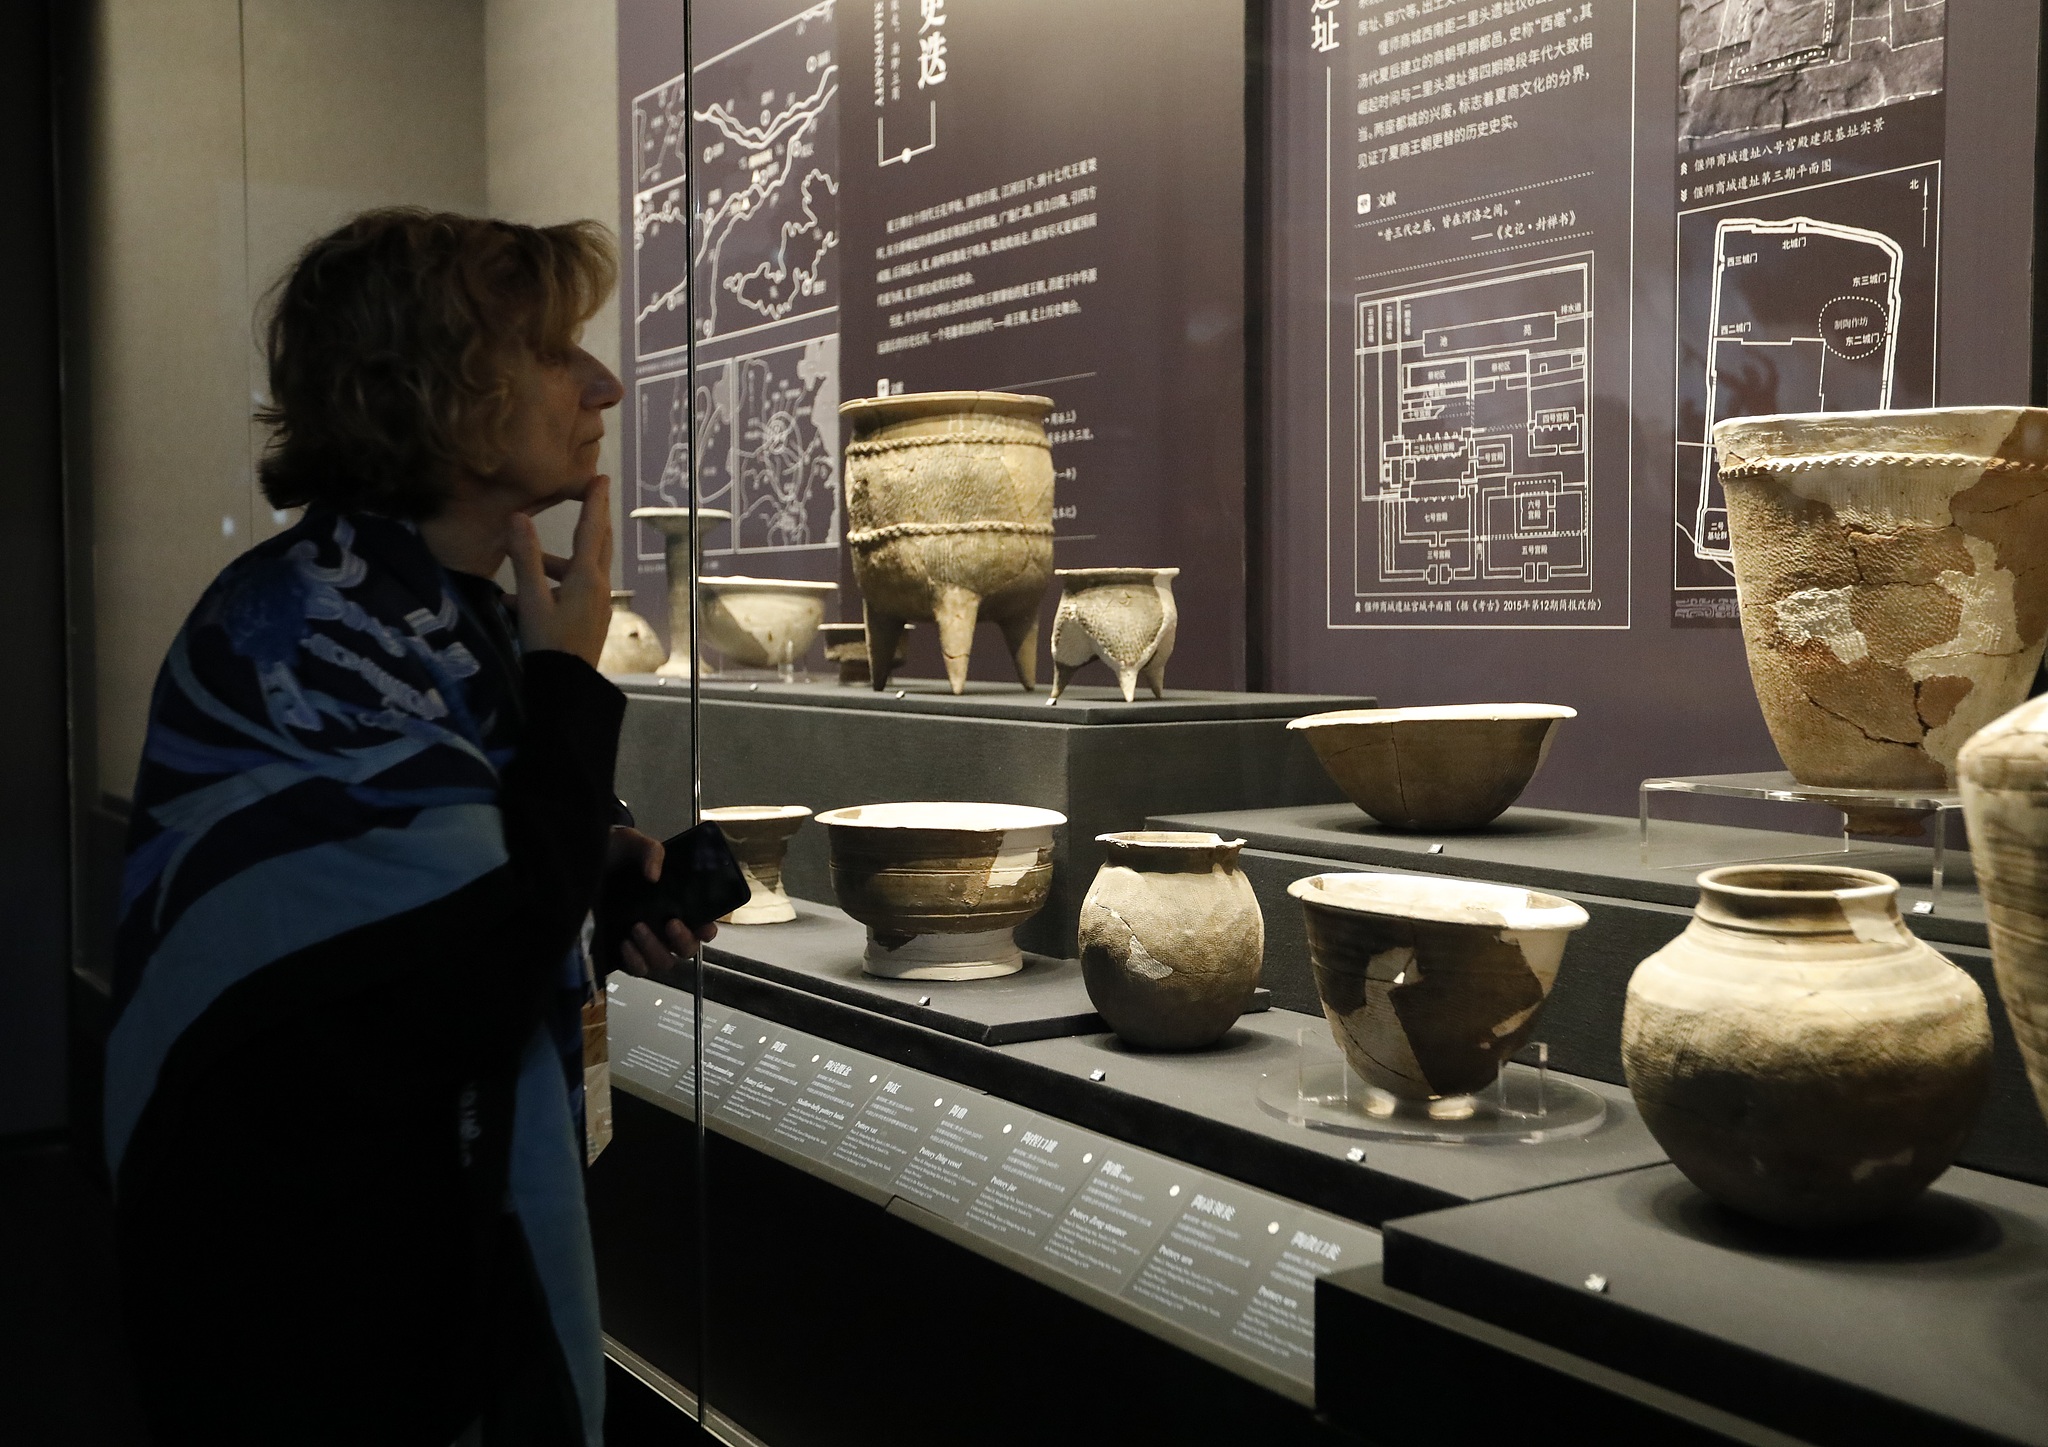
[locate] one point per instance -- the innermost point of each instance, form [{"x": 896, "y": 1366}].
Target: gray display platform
[
  {"x": 1552, "y": 849},
  {"x": 1193, "y": 1104},
  {"x": 1632, "y": 912},
  {"x": 820, "y": 951},
  {"x": 1929, "y": 1329},
  {"x": 1105, "y": 764}
]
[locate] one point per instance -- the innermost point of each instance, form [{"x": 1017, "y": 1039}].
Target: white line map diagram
[
  {"x": 1474, "y": 432},
  {"x": 766, "y": 132},
  {"x": 1804, "y": 319},
  {"x": 768, "y": 446}
]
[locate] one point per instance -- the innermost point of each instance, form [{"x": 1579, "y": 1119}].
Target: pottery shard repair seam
[
  {"x": 1140, "y": 961},
  {"x": 1986, "y": 597},
  {"x": 1822, "y": 615},
  {"x": 1010, "y": 865}
]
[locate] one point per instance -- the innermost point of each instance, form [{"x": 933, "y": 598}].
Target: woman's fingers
[
  {"x": 556, "y": 567},
  {"x": 536, "y": 600}
]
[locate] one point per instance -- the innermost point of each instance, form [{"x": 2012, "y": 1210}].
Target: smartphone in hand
[{"x": 700, "y": 881}]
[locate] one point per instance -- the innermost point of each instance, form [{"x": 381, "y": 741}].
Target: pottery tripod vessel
[
  {"x": 949, "y": 513},
  {"x": 1124, "y": 616},
  {"x": 1892, "y": 575}
]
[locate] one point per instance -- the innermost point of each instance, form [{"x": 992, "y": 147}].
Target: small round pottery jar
[
  {"x": 759, "y": 836},
  {"x": 1171, "y": 938},
  {"x": 941, "y": 886},
  {"x": 1431, "y": 984},
  {"x": 630, "y": 643},
  {"x": 1799, "y": 1053},
  {"x": 2004, "y": 771}
]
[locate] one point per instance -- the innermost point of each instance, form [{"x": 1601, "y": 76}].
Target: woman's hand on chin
[{"x": 573, "y": 617}]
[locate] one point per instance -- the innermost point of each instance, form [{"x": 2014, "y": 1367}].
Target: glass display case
[{"x": 1176, "y": 544}]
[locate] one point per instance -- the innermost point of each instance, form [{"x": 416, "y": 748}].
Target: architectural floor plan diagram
[
  {"x": 1474, "y": 433},
  {"x": 765, "y": 126}
]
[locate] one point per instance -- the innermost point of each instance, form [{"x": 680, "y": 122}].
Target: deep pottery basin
[
  {"x": 1430, "y": 984},
  {"x": 762, "y": 622},
  {"x": 941, "y": 886},
  {"x": 1452, "y": 766}
]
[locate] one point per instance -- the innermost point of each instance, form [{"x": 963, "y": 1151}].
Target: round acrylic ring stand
[{"x": 1525, "y": 1105}]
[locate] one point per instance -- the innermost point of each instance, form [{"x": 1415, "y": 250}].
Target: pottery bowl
[
  {"x": 914, "y": 871},
  {"x": 1171, "y": 938},
  {"x": 1430, "y": 984},
  {"x": 759, "y": 836},
  {"x": 1453, "y": 766},
  {"x": 762, "y": 622}
]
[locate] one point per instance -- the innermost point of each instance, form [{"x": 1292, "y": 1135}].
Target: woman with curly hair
[{"x": 344, "y": 1089}]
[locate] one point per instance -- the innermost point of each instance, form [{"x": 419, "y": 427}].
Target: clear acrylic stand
[
  {"x": 1525, "y": 1105},
  {"x": 1904, "y": 813}
]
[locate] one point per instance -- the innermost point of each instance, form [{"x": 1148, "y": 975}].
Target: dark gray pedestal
[
  {"x": 1633, "y": 911},
  {"x": 1929, "y": 1329},
  {"x": 1105, "y": 764}
]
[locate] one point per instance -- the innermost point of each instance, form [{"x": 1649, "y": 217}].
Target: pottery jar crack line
[
  {"x": 1799, "y": 1053},
  {"x": 1889, "y": 573},
  {"x": 1172, "y": 938},
  {"x": 1430, "y": 984}
]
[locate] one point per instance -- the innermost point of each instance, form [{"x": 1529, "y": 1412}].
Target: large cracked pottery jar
[
  {"x": 941, "y": 887},
  {"x": 1171, "y": 938},
  {"x": 1889, "y": 568},
  {"x": 1799, "y": 1053},
  {"x": 1450, "y": 766},
  {"x": 1430, "y": 984},
  {"x": 2005, "y": 798},
  {"x": 949, "y": 517}
]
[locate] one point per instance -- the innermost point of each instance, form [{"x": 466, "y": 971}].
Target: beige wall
[
  {"x": 551, "y": 122},
  {"x": 225, "y": 137}
]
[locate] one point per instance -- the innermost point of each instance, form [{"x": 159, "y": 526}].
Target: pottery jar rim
[
  {"x": 663, "y": 514},
  {"x": 754, "y": 813},
  {"x": 740, "y": 583},
  {"x": 1435, "y": 713},
  {"x": 944, "y": 814},
  {"x": 1438, "y": 899},
  {"x": 1090, "y": 577},
  {"x": 1173, "y": 849},
  {"x": 1799, "y": 899},
  {"x": 866, "y": 413},
  {"x": 1907, "y": 431}
]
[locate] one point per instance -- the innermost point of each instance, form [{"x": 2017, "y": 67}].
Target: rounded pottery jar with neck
[
  {"x": 1171, "y": 938},
  {"x": 759, "y": 836},
  {"x": 2005, "y": 797},
  {"x": 682, "y": 532},
  {"x": 1124, "y": 616},
  {"x": 630, "y": 643},
  {"x": 1799, "y": 1053},
  {"x": 941, "y": 886},
  {"x": 1887, "y": 569},
  {"x": 949, "y": 517},
  {"x": 1430, "y": 984}
]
